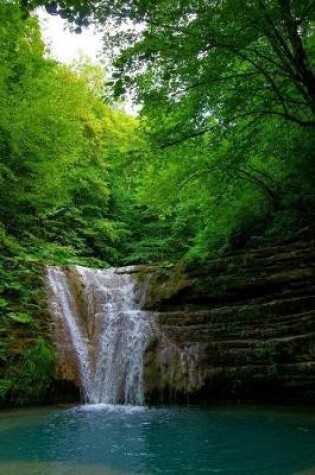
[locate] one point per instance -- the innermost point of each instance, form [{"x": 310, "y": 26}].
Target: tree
[
  {"x": 222, "y": 60},
  {"x": 58, "y": 140},
  {"x": 227, "y": 89}
]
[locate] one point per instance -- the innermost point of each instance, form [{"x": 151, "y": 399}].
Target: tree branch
[
  {"x": 269, "y": 191},
  {"x": 306, "y": 12}
]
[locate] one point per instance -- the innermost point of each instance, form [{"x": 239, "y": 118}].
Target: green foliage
[
  {"x": 197, "y": 60},
  {"x": 29, "y": 375},
  {"x": 58, "y": 138},
  {"x": 227, "y": 190},
  {"x": 5, "y": 386},
  {"x": 21, "y": 317},
  {"x": 228, "y": 105},
  {"x": 228, "y": 115}
]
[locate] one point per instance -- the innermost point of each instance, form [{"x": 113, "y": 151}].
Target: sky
[{"x": 66, "y": 46}]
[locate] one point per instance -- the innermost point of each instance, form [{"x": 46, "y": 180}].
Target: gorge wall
[{"x": 240, "y": 327}]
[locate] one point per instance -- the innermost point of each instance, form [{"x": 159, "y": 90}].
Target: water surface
[{"x": 111, "y": 440}]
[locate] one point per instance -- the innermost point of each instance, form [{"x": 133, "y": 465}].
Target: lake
[{"x": 118, "y": 440}]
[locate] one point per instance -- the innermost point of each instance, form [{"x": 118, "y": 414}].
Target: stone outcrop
[{"x": 240, "y": 327}]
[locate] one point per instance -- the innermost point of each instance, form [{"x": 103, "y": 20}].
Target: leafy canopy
[{"x": 222, "y": 59}]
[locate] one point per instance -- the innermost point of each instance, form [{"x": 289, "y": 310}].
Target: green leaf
[
  {"x": 3, "y": 303},
  {"x": 21, "y": 317}
]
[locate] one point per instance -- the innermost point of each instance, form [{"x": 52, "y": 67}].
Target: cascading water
[{"x": 100, "y": 325}]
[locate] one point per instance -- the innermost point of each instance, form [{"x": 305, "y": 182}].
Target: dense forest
[{"x": 220, "y": 157}]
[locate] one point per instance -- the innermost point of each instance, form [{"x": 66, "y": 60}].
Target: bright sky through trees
[{"x": 67, "y": 46}]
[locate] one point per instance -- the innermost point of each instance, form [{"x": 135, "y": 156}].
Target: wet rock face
[
  {"x": 241, "y": 327},
  {"x": 67, "y": 367}
]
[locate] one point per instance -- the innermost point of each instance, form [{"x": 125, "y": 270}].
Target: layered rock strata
[{"x": 242, "y": 327}]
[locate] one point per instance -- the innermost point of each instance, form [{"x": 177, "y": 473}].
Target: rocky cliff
[{"x": 241, "y": 327}]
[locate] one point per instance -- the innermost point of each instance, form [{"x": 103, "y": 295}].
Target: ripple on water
[
  {"x": 36, "y": 468},
  {"x": 123, "y": 408},
  {"x": 125, "y": 440}
]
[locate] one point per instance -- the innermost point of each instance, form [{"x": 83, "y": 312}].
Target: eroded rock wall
[{"x": 240, "y": 327}]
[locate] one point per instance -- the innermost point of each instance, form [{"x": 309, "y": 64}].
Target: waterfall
[{"x": 101, "y": 331}]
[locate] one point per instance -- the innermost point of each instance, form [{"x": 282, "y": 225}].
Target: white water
[{"x": 106, "y": 328}]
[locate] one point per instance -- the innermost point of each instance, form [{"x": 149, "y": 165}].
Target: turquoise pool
[{"x": 111, "y": 440}]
